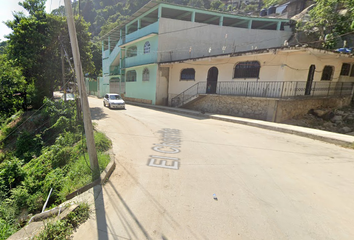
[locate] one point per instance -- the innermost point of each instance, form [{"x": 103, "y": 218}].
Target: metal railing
[{"x": 266, "y": 89}]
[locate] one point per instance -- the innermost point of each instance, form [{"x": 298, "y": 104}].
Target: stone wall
[
  {"x": 256, "y": 108},
  {"x": 292, "y": 108},
  {"x": 275, "y": 110}
]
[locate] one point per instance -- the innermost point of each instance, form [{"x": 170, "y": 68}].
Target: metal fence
[{"x": 266, "y": 89}]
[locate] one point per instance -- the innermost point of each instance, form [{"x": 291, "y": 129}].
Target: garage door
[{"x": 114, "y": 85}]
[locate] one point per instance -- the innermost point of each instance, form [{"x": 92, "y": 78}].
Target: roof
[
  {"x": 262, "y": 51},
  {"x": 154, "y": 3}
]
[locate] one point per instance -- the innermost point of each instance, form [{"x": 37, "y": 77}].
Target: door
[
  {"x": 212, "y": 80},
  {"x": 310, "y": 79},
  {"x": 114, "y": 85}
]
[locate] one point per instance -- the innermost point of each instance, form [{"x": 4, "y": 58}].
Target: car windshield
[
  {"x": 70, "y": 95},
  {"x": 114, "y": 97}
]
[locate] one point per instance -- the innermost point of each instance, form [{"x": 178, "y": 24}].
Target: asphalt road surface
[{"x": 184, "y": 177}]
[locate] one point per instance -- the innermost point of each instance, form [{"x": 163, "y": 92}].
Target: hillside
[{"x": 41, "y": 150}]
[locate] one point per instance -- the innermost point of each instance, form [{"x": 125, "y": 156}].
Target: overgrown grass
[
  {"x": 62, "y": 229},
  {"x": 38, "y": 157}
]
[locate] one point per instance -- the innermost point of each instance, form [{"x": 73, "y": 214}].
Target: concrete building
[
  {"x": 161, "y": 32},
  {"x": 273, "y": 84},
  {"x": 215, "y": 62}
]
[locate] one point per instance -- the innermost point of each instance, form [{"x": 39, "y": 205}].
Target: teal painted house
[{"x": 158, "y": 33}]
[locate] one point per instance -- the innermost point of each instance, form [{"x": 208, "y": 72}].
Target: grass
[{"x": 62, "y": 229}]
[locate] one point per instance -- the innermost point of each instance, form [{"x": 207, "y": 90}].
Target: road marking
[{"x": 171, "y": 143}]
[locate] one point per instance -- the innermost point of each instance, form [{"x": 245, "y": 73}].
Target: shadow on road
[
  {"x": 127, "y": 221},
  {"x": 100, "y": 213},
  {"x": 97, "y": 113},
  {"x": 170, "y": 110}
]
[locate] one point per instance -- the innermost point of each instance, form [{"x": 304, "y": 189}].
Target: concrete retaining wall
[{"x": 274, "y": 110}]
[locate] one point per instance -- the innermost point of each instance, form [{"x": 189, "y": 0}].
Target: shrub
[
  {"x": 28, "y": 146},
  {"x": 11, "y": 173},
  {"x": 102, "y": 142},
  {"x": 62, "y": 229}
]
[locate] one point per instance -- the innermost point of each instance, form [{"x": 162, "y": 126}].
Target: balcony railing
[
  {"x": 114, "y": 70},
  {"x": 140, "y": 60},
  {"x": 152, "y": 28},
  {"x": 266, "y": 89}
]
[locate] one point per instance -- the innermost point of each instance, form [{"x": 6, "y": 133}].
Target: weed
[{"x": 62, "y": 229}]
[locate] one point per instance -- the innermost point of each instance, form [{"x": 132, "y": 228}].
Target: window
[
  {"x": 131, "y": 76},
  {"x": 247, "y": 69},
  {"x": 146, "y": 74},
  {"x": 327, "y": 73},
  {"x": 146, "y": 47},
  {"x": 345, "y": 69},
  {"x": 352, "y": 72},
  {"x": 132, "y": 51},
  {"x": 188, "y": 74}
]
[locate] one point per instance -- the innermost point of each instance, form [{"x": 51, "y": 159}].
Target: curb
[
  {"x": 329, "y": 137},
  {"x": 106, "y": 173}
]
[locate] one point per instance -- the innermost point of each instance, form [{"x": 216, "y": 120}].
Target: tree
[
  {"x": 27, "y": 45},
  {"x": 34, "y": 46},
  {"x": 11, "y": 85},
  {"x": 328, "y": 21}
]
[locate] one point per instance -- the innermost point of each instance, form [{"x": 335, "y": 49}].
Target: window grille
[
  {"x": 146, "y": 75},
  {"x": 188, "y": 74},
  {"x": 345, "y": 69},
  {"x": 327, "y": 73},
  {"x": 247, "y": 69},
  {"x": 146, "y": 47},
  {"x": 131, "y": 76}
]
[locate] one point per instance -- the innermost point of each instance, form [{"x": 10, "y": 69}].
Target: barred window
[
  {"x": 345, "y": 69},
  {"x": 327, "y": 73},
  {"x": 131, "y": 76},
  {"x": 132, "y": 51},
  {"x": 146, "y": 47},
  {"x": 188, "y": 74},
  {"x": 247, "y": 69},
  {"x": 146, "y": 74},
  {"x": 352, "y": 72}
]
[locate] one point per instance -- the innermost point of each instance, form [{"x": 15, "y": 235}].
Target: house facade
[
  {"x": 268, "y": 84},
  {"x": 160, "y": 32}
]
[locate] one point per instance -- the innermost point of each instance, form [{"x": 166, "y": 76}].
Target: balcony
[
  {"x": 152, "y": 28},
  {"x": 114, "y": 70},
  {"x": 105, "y": 54},
  {"x": 143, "y": 59}
]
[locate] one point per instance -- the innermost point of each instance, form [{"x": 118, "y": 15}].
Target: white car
[
  {"x": 69, "y": 97},
  {"x": 113, "y": 100}
]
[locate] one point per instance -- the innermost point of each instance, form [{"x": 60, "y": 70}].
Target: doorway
[
  {"x": 310, "y": 79},
  {"x": 212, "y": 80}
]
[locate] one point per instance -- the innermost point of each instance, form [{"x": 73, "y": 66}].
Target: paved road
[{"x": 268, "y": 185}]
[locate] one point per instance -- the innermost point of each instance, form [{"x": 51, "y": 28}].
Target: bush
[
  {"x": 11, "y": 173},
  {"x": 102, "y": 142},
  {"x": 6, "y": 229},
  {"x": 62, "y": 229},
  {"x": 28, "y": 146}
]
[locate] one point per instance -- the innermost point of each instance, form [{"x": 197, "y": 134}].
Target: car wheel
[
  {"x": 104, "y": 104},
  {"x": 109, "y": 105}
]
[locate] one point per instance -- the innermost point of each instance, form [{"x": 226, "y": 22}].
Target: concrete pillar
[
  {"x": 221, "y": 21},
  {"x": 193, "y": 17}
]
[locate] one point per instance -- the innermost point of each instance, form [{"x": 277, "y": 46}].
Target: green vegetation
[
  {"x": 43, "y": 150},
  {"x": 332, "y": 22},
  {"x": 62, "y": 229}
]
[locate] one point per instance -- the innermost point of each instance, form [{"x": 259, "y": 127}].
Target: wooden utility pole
[
  {"x": 82, "y": 90},
  {"x": 62, "y": 67}
]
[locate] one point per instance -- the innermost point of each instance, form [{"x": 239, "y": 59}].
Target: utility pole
[
  {"x": 62, "y": 66},
  {"x": 91, "y": 149}
]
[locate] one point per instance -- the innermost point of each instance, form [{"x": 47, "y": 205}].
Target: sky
[{"x": 9, "y": 6}]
